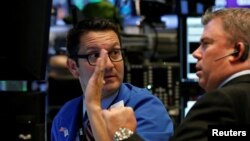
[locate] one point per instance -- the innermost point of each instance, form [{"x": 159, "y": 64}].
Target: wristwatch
[{"x": 122, "y": 134}]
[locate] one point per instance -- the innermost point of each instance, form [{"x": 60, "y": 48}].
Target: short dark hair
[{"x": 84, "y": 26}]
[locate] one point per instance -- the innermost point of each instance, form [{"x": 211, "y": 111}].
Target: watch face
[{"x": 122, "y": 133}]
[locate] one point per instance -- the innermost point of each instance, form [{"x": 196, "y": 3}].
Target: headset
[{"x": 236, "y": 53}]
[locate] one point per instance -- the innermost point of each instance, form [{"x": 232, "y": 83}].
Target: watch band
[{"x": 122, "y": 134}]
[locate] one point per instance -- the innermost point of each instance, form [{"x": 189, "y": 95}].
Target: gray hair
[{"x": 236, "y": 22}]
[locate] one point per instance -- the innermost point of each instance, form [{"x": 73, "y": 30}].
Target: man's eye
[
  {"x": 113, "y": 52},
  {"x": 94, "y": 55},
  {"x": 204, "y": 44},
  {"x": 116, "y": 52}
]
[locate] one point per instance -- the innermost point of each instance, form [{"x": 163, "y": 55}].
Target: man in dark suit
[{"x": 223, "y": 68}]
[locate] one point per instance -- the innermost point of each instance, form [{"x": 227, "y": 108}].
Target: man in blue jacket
[{"x": 96, "y": 58}]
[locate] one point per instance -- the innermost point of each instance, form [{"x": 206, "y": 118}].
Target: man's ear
[
  {"x": 242, "y": 51},
  {"x": 73, "y": 68}
]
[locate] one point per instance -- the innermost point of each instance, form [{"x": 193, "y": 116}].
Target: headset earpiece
[
  {"x": 245, "y": 51},
  {"x": 235, "y": 52}
]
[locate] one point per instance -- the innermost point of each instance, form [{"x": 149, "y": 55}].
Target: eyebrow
[
  {"x": 96, "y": 50},
  {"x": 95, "y": 47},
  {"x": 206, "y": 39}
]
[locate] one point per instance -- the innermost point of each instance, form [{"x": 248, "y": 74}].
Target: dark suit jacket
[{"x": 228, "y": 105}]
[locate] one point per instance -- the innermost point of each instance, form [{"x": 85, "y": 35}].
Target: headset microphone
[{"x": 233, "y": 53}]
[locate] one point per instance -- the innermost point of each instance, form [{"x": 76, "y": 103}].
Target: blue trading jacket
[{"x": 153, "y": 120}]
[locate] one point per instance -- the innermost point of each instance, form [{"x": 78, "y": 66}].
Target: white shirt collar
[
  {"x": 104, "y": 102},
  {"x": 234, "y": 76}
]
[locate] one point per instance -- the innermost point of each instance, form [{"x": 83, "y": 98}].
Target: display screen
[
  {"x": 24, "y": 49},
  {"x": 238, "y": 3},
  {"x": 190, "y": 30}
]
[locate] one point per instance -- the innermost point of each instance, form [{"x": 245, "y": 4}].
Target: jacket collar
[{"x": 240, "y": 79}]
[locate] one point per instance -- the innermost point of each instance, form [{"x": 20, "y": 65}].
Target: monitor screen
[
  {"x": 190, "y": 104},
  {"x": 25, "y": 30},
  {"x": 189, "y": 32},
  {"x": 219, "y": 4},
  {"x": 238, "y": 3},
  {"x": 152, "y": 10}
]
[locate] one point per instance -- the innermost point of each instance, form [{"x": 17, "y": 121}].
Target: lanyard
[{"x": 80, "y": 127}]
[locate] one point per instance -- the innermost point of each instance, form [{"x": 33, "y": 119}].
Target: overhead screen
[
  {"x": 190, "y": 30},
  {"x": 24, "y": 45}
]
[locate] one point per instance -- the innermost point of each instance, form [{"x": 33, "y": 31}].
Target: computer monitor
[
  {"x": 153, "y": 10},
  {"x": 189, "y": 34},
  {"x": 24, "y": 44},
  {"x": 238, "y": 3}
]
